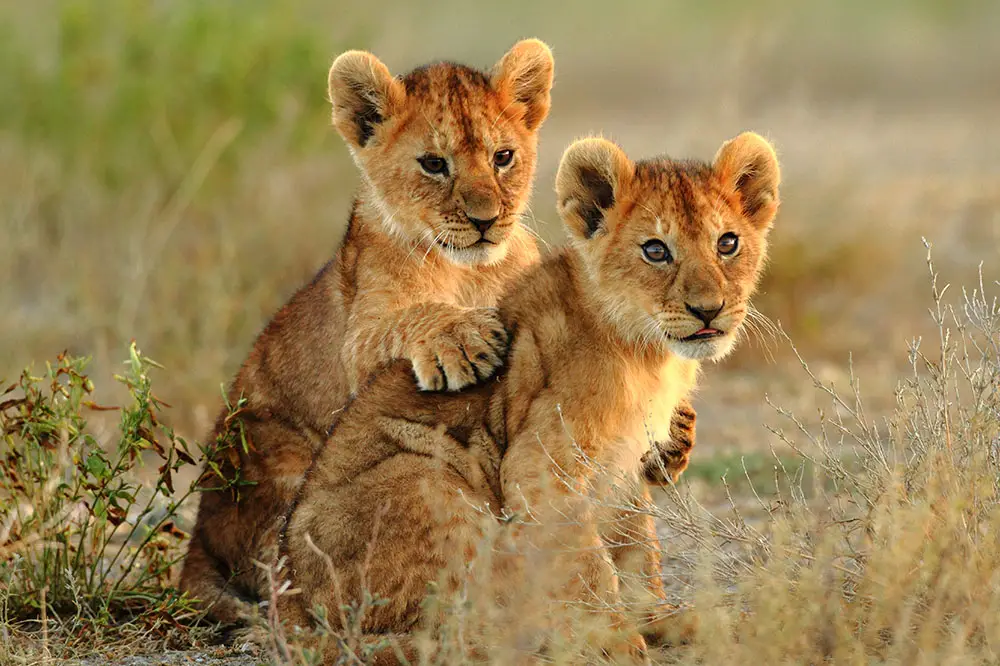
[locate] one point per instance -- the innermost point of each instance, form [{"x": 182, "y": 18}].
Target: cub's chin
[
  {"x": 478, "y": 254},
  {"x": 708, "y": 348}
]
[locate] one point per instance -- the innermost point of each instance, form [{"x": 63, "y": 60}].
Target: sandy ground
[{"x": 218, "y": 657}]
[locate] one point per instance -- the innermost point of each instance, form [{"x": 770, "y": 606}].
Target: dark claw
[
  {"x": 472, "y": 366},
  {"x": 686, "y": 414},
  {"x": 442, "y": 384}
]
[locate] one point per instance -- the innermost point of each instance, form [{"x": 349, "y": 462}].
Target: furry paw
[
  {"x": 665, "y": 461},
  {"x": 252, "y": 639},
  {"x": 631, "y": 649},
  {"x": 670, "y": 626},
  {"x": 663, "y": 464},
  {"x": 461, "y": 352}
]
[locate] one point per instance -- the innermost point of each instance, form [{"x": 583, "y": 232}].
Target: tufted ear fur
[
  {"x": 748, "y": 166},
  {"x": 525, "y": 75},
  {"x": 363, "y": 94},
  {"x": 590, "y": 180}
]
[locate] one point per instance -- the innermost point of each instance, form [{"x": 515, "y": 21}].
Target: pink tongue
[{"x": 707, "y": 331}]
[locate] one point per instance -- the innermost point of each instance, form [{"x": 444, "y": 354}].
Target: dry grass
[
  {"x": 887, "y": 554},
  {"x": 876, "y": 546}
]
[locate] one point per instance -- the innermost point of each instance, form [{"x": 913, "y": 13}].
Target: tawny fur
[
  {"x": 416, "y": 277},
  {"x": 601, "y": 358}
]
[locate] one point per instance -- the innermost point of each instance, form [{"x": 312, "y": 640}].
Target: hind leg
[
  {"x": 237, "y": 526},
  {"x": 386, "y": 534},
  {"x": 202, "y": 580}
]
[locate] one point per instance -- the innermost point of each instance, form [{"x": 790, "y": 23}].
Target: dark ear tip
[
  {"x": 587, "y": 183},
  {"x": 363, "y": 93}
]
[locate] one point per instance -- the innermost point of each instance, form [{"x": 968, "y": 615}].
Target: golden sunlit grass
[{"x": 877, "y": 542}]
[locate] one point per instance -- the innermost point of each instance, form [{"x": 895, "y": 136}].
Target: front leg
[
  {"x": 580, "y": 573},
  {"x": 559, "y": 531},
  {"x": 450, "y": 347},
  {"x": 665, "y": 461},
  {"x": 635, "y": 549}
]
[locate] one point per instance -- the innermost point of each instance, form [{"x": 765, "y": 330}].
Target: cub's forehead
[
  {"x": 444, "y": 79},
  {"x": 682, "y": 195},
  {"x": 455, "y": 102}
]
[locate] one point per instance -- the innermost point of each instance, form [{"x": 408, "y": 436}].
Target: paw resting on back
[{"x": 460, "y": 351}]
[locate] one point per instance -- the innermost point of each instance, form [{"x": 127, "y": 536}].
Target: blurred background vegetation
[{"x": 168, "y": 172}]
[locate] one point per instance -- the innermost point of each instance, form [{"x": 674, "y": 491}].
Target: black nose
[
  {"x": 706, "y": 314},
  {"x": 482, "y": 225}
]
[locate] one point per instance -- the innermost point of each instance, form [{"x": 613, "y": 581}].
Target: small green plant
[
  {"x": 221, "y": 457},
  {"x": 88, "y": 527},
  {"x": 762, "y": 471}
]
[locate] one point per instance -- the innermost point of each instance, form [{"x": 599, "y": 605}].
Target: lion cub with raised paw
[
  {"x": 447, "y": 155},
  {"x": 663, "y": 258}
]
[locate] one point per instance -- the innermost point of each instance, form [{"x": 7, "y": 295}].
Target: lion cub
[
  {"x": 663, "y": 258},
  {"x": 447, "y": 156}
]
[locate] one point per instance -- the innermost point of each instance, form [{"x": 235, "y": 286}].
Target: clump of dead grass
[{"x": 888, "y": 553}]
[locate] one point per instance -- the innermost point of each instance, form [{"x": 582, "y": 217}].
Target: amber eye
[
  {"x": 656, "y": 251},
  {"x": 728, "y": 243},
  {"x": 502, "y": 158},
  {"x": 433, "y": 164}
]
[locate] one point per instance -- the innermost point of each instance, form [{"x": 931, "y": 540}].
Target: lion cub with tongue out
[{"x": 663, "y": 258}]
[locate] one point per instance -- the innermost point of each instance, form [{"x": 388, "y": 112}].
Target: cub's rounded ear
[
  {"x": 363, "y": 94},
  {"x": 590, "y": 180},
  {"x": 525, "y": 75},
  {"x": 748, "y": 167}
]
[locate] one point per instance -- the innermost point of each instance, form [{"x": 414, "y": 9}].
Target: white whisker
[
  {"x": 442, "y": 236},
  {"x": 425, "y": 235},
  {"x": 534, "y": 232}
]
